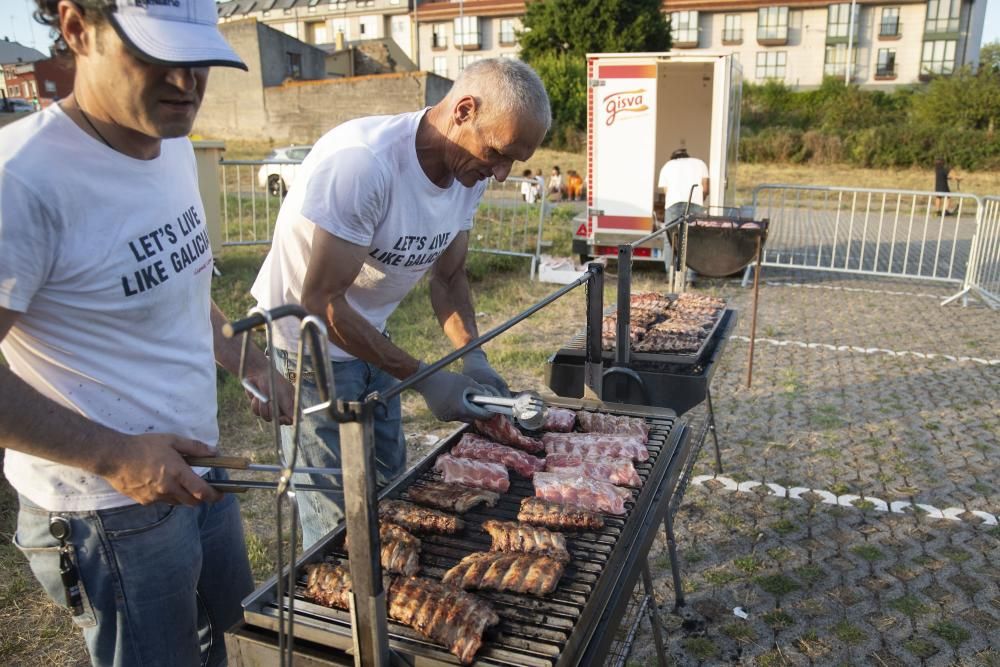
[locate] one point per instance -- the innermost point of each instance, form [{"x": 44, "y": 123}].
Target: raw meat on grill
[
  {"x": 597, "y": 444},
  {"x": 418, "y": 519},
  {"x": 560, "y": 420},
  {"x": 620, "y": 472},
  {"x": 500, "y": 428},
  {"x": 399, "y": 549},
  {"x": 540, "y": 512},
  {"x": 511, "y": 536},
  {"x": 519, "y": 573},
  {"x": 701, "y": 300},
  {"x": 599, "y": 422},
  {"x": 661, "y": 341},
  {"x": 446, "y": 614},
  {"x": 582, "y": 492},
  {"x": 473, "y": 446},
  {"x": 451, "y": 497},
  {"x": 472, "y": 472},
  {"x": 328, "y": 585}
]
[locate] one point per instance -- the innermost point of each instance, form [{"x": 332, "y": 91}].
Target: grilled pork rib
[
  {"x": 599, "y": 422},
  {"x": 473, "y": 446},
  {"x": 418, "y": 519},
  {"x": 451, "y": 497},
  {"x": 519, "y": 573},
  {"x": 582, "y": 492},
  {"x": 500, "y": 428},
  {"x": 620, "y": 472},
  {"x": 560, "y": 420},
  {"x": 329, "y": 585},
  {"x": 511, "y": 536},
  {"x": 597, "y": 444},
  {"x": 473, "y": 472},
  {"x": 540, "y": 512},
  {"x": 400, "y": 549}
]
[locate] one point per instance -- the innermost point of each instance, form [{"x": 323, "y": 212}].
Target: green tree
[
  {"x": 989, "y": 57},
  {"x": 964, "y": 100},
  {"x": 559, "y": 33}
]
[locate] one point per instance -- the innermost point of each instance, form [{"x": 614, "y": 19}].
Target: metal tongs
[{"x": 525, "y": 408}]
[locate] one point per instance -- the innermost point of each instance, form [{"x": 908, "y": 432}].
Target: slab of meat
[
  {"x": 650, "y": 300},
  {"x": 702, "y": 300},
  {"x": 501, "y": 429},
  {"x": 620, "y": 472},
  {"x": 540, "y": 512},
  {"x": 599, "y": 422},
  {"x": 519, "y": 573},
  {"x": 512, "y": 536},
  {"x": 443, "y": 613},
  {"x": 328, "y": 585},
  {"x": 418, "y": 519},
  {"x": 662, "y": 341},
  {"x": 597, "y": 444},
  {"x": 451, "y": 497},
  {"x": 472, "y": 472},
  {"x": 400, "y": 549},
  {"x": 582, "y": 492},
  {"x": 473, "y": 446},
  {"x": 560, "y": 420}
]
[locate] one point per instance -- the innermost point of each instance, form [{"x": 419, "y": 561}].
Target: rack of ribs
[
  {"x": 451, "y": 497},
  {"x": 560, "y": 420},
  {"x": 665, "y": 341},
  {"x": 518, "y": 573},
  {"x": 418, "y": 519},
  {"x": 446, "y": 614},
  {"x": 473, "y": 446},
  {"x": 400, "y": 549},
  {"x": 514, "y": 537},
  {"x": 540, "y": 512},
  {"x": 620, "y": 472},
  {"x": 599, "y": 422},
  {"x": 500, "y": 428},
  {"x": 581, "y": 491},
  {"x": 597, "y": 444},
  {"x": 328, "y": 585},
  {"x": 472, "y": 472}
]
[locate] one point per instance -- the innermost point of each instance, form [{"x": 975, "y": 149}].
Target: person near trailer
[
  {"x": 529, "y": 188},
  {"x": 942, "y": 174},
  {"x": 683, "y": 178},
  {"x": 557, "y": 188},
  {"x": 111, "y": 336},
  {"x": 379, "y": 202}
]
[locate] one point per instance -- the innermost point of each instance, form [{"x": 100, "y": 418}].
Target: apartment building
[
  {"x": 453, "y": 33},
  {"x": 798, "y": 42}
]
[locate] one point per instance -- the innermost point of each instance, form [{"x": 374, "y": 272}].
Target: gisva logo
[{"x": 627, "y": 100}]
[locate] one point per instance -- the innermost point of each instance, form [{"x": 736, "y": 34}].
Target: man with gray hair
[{"x": 379, "y": 202}]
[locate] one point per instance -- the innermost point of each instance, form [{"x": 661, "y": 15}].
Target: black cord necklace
[{"x": 94, "y": 128}]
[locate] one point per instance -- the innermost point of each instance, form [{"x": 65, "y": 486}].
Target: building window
[
  {"x": 835, "y": 63},
  {"x": 466, "y": 60},
  {"x": 293, "y": 65},
  {"x": 938, "y": 57},
  {"x": 364, "y": 3},
  {"x": 684, "y": 28},
  {"x": 268, "y": 5},
  {"x": 771, "y": 65},
  {"x": 339, "y": 4},
  {"x": 509, "y": 54},
  {"x": 732, "y": 29},
  {"x": 316, "y": 31},
  {"x": 468, "y": 31},
  {"x": 889, "y": 27},
  {"x": 942, "y": 16},
  {"x": 507, "y": 36},
  {"x": 441, "y": 66},
  {"x": 838, "y": 21},
  {"x": 15, "y": 91},
  {"x": 439, "y": 36},
  {"x": 772, "y": 24},
  {"x": 885, "y": 66}
]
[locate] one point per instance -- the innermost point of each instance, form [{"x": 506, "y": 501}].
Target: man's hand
[
  {"x": 477, "y": 366},
  {"x": 150, "y": 468},
  {"x": 285, "y": 397},
  {"x": 445, "y": 393}
]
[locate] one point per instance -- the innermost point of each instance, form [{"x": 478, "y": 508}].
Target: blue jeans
[
  {"x": 319, "y": 438},
  {"x": 161, "y": 584}
]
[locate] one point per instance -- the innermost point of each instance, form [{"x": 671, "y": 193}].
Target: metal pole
[
  {"x": 850, "y": 44},
  {"x": 753, "y": 317},
  {"x": 593, "y": 369},
  {"x": 623, "y": 339}
]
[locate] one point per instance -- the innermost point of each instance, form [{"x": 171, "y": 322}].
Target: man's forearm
[
  {"x": 228, "y": 350},
  {"x": 36, "y": 425},
  {"x": 451, "y": 299}
]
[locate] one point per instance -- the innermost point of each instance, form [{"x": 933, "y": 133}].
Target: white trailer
[{"x": 640, "y": 108}]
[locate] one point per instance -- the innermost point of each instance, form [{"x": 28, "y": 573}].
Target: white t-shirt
[
  {"x": 529, "y": 193},
  {"x": 677, "y": 176},
  {"x": 108, "y": 261},
  {"x": 362, "y": 183}
]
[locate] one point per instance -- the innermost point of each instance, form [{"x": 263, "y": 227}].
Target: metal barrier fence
[
  {"x": 905, "y": 234},
  {"x": 983, "y": 276},
  {"x": 507, "y": 222}
]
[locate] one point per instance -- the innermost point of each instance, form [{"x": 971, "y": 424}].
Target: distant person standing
[
  {"x": 529, "y": 189},
  {"x": 678, "y": 176},
  {"x": 556, "y": 188},
  {"x": 574, "y": 185},
  {"x": 942, "y": 170}
]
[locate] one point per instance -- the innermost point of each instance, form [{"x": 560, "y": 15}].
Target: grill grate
[{"x": 533, "y": 631}]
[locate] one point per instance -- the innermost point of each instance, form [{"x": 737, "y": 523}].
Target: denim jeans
[
  {"x": 161, "y": 583},
  {"x": 319, "y": 438}
]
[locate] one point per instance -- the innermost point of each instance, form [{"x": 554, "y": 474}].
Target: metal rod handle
[{"x": 230, "y": 329}]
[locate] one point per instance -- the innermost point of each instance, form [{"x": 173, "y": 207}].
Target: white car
[
  {"x": 278, "y": 173},
  {"x": 16, "y": 104}
]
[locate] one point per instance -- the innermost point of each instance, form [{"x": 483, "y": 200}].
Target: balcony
[
  {"x": 889, "y": 30},
  {"x": 732, "y": 36},
  {"x": 885, "y": 71},
  {"x": 772, "y": 35},
  {"x": 941, "y": 27}
]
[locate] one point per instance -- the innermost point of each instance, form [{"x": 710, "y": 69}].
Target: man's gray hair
[{"x": 504, "y": 87}]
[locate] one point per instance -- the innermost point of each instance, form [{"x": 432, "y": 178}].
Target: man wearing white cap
[{"x": 110, "y": 333}]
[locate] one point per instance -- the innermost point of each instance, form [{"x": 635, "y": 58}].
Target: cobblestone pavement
[{"x": 835, "y": 564}]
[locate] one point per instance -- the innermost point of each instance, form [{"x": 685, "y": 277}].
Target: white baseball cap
[{"x": 180, "y": 33}]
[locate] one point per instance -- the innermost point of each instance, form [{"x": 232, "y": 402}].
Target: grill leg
[
  {"x": 654, "y": 617},
  {"x": 715, "y": 437},
  {"x": 675, "y": 566}
]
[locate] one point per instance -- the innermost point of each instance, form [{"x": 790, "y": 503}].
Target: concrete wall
[
  {"x": 274, "y": 47},
  {"x": 234, "y": 97}
]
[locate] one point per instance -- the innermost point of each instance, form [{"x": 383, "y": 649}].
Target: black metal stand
[
  {"x": 712, "y": 429},
  {"x": 654, "y": 618}
]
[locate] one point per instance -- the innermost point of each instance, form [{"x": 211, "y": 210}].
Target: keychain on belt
[{"x": 59, "y": 528}]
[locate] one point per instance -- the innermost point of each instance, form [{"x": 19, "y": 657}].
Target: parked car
[
  {"x": 277, "y": 178},
  {"x": 16, "y": 104}
]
